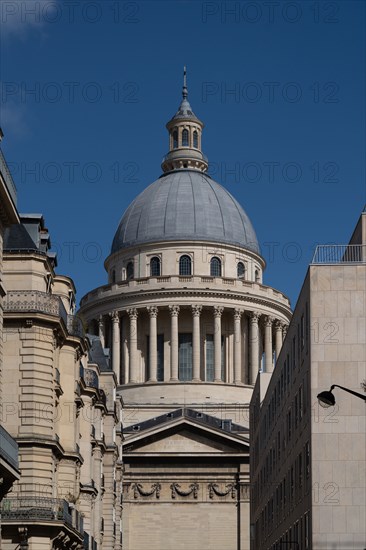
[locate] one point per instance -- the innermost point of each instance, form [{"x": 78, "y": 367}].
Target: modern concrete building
[
  {"x": 187, "y": 320},
  {"x": 308, "y": 463},
  {"x": 59, "y": 403},
  {"x": 9, "y": 471}
]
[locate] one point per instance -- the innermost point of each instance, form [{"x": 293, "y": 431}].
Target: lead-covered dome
[{"x": 185, "y": 205}]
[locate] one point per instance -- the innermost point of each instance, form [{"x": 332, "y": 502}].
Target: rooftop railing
[
  {"x": 8, "y": 448},
  {"x": 340, "y": 254},
  {"x": 8, "y": 179}
]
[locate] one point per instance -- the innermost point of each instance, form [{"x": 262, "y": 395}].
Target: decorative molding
[
  {"x": 139, "y": 491},
  {"x": 132, "y": 313},
  {"x": 218, "y": 310},
  {"x": 196, "y": 310},
  {"x": 254, "y": 316},
  {"x": 115, "y": 316},
  {"x": 237, "y": 314},
  {"x": 213, "y": 489},
  {"x": 176, "y": 490},
  {"x": 268, "y": 320},
  {"x": 278, "y": 325},
  {"x": 153, "y": 311},
  {"x": 174, "y": 310}
]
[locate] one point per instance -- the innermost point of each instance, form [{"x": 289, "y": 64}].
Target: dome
[{"x": 185, "y": 205}]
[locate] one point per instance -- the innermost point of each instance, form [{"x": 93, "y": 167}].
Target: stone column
[
  {"x": 284, "y": 332},
  {"x": 174, "y": 312},
  {"x": 101, "y": 330},
  {"x": 237, "y": 346},
  {"x": 278, "y": 338},
  {"x": 134, "y": 371},
  {"x": 196, "y": 312},
  {"x": 268, "y": 349},
  {"x": 116, "y": 346},
  {"x": 254, "y": 346},
  {"x": 217, "y": 342},
  {"x": 153, "y": 374}
]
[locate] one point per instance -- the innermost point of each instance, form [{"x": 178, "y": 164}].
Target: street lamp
[{"x": 327, "y": 399}]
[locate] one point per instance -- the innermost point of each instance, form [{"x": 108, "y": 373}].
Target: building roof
[{"x": 185, "y": 205}]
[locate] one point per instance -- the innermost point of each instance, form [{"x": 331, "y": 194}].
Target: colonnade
[{"x": 266, "y": 333}]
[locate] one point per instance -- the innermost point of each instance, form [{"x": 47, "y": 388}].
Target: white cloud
[{"x": 19, "y": 17}]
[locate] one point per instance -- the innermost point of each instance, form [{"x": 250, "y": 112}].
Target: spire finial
[{"x": 185, "y": 89}]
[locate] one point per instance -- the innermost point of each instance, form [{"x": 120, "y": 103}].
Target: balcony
[
  {"x": 8, "y": 448},
  {"x": 34, "y": 301},
  {"x": 91, "y": 378},
  {"x": 340, "y": 254},
  {"x": 28, "y": 509},
  {"x": 75, "y": 326}
]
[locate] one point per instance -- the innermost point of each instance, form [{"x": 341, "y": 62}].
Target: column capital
[
  {"x": 101, "y": 319},
  {"x": 254, "y": 316},
  {"x": 284, "y": 329},
  {"x": 196, "y": 310},
  {"x": 132, "y": 312},
  {"x": 115, "y": 316},
  {"x": 268, "y": 320},
  {"x": 238, "y": 313},
  {"x": 218, "y": 311},
  {"x": 153, "y": 311},
  {"x": 174, "y": 310},
  {"x": 278, "y": 325}
]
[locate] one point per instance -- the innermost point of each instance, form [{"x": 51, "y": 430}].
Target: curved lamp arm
[{"x": 349, "y": 391}]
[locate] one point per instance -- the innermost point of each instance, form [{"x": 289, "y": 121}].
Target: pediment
[{"x": 185, "y": 437}]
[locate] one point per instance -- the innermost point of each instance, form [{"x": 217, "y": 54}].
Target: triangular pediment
[{"x": 184, "y": 436}]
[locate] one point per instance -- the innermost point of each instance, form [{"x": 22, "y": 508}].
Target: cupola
[{"x": 185, "y": 132}]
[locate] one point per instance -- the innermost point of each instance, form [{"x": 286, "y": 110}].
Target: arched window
[
  {"x": 175, "y": 139},
  {"x": 241, "y": 270},
  {"x": 215, "y": 267},
  {"x": 256, "y": 276},
  {"x": 155, "y": 267},
  {"x": 195, "y": 139},
  {"x": 185, "y": 138},
  {"x": 185, "y": 265},
  {"x": 129, "y": 271},
  {"x": 113, "y": 276}
]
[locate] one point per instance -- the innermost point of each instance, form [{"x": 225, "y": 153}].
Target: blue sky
[{"x": 88, "y": 86}]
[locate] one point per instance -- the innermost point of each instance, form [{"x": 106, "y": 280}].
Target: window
[
  {"x": 160, "y": 357},
  {"x": 129, "y": 271},
  {"x": 185, "y": 138},
  {"x": 113, "y": 276},
  {"x": 256, "y": 276},
  {"x": 241, "y": 270},
  {"x": 175, "y": 139},
  {"x": 215, "y": 267},
  {"x": 195, "y": 139},
  {"x": 210, "y": 358},
  {"x": 185, "y": 357},
  {"x": 185, "y": 265},
  {"x": 155, "y": 267}
]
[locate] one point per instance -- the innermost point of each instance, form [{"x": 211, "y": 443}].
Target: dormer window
[
  {"x": 185, "y": 138},
  {"x": 195, "y": 139},
  {"x": 175, "y": 139}
]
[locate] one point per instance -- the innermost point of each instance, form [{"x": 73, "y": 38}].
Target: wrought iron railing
[
  {"x": 34, "y": 508},
  {"x": 75, "y": 326},
  {"x": 339, "y": 254},
  {"x": 34, "y": 301},
  {"x": 8, "y": 179},
  {"x": 8, "y": 448}
]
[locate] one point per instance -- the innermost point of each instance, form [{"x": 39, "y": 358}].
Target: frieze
[
  {"x": 213, "y": 489},
  {"x": 177, "y": 490}
]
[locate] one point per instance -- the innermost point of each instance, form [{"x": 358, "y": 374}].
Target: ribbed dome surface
[{"x": 185, "y": 205}]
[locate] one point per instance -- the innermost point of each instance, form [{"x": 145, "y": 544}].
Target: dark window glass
[
  {"x": 185, "y": 357},
  {"x": 155, "y": 267},
  {"x": 185, "y": 265},
  {"x": 175, "y": 139},
  {"x": 195, "y": 139},
  {"x": 129, "y": 270},
  {"x": 215, "y": 267},
  {"x": 241, "y": 270},
  {"x": 185, "y": 138}
]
